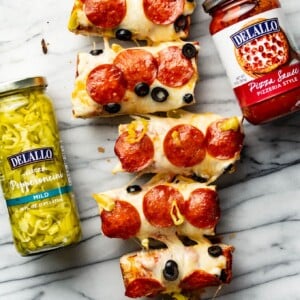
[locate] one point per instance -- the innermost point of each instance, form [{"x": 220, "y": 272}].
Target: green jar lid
[
  {"x": 208, "y": 5},
  {"x": 11, "y": 87}
]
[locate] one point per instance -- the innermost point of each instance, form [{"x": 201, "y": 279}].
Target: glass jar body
[
  {"x": 34, "y": 177},
  {"x": 259, "y": 56}
]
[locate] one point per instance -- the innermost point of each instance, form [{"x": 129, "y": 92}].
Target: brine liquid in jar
[
  {"x": 34, "y": 177},
  {"x": 259, "y": 55}
]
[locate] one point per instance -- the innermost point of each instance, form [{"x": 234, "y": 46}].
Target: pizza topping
[
  {"x": 105, "y": 13},
  {"x": 134, "y": 156},
  {"x": 224, "y": 138},
  {"x": 176, "y": 216},
  {"x": 188, "y": 98},
  {"x": 106, "y": 84},
  {"x": 174, "y": 69},
  {"x": 122, "y": 222},
  {"x": 159, "y": 94},
  {"x": 202, "y": 209},
  {"x": 104, "y": 202},
  {"x": 184, "y": 146},
  {"x": 135, "y": 131},
  {"x": 133, "y": 188},
  {"x": 96, "y": 52},
  {"x": 170, "y": 270},
  {"x": 189, "y": 50},
  {"x": 142, "y": 89},
  {"x": 181, "y": 23},
  {"x": 137, "y": 65},
  {"x": 123, "y": 35},
  {"x": 141, "y": 287},
  {"x": 163, "y": 12},
  {"x": 112, "y": 108},
  {"x": 198, "y": 279},
  {"x": 157, "y": 205},
  {"x": 215, "y": 251}
]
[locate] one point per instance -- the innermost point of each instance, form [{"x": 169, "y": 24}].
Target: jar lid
[
  {"x": 208, "y": 5},
  {"x": 10, "y": 87}
]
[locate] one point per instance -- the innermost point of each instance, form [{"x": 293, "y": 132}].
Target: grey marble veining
[{"x": 260, "y": 202}]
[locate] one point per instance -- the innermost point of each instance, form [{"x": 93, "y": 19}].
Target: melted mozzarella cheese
[
  {"x": 210, "y": 168},
  {"x": 84, "y": 106},
  {"x": 135, "y": 21}
]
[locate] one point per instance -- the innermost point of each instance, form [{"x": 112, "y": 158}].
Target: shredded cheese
[
  {"x": 134, "y": 133},
  {"x": 230, "y": 124}
]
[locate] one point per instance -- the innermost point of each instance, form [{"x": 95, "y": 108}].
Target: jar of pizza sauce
[
  {"x": 259, "y": 56},
  {"x": 33, "y": 173}
]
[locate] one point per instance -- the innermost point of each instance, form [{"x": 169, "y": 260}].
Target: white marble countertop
[{"x": 260, "y": 202}]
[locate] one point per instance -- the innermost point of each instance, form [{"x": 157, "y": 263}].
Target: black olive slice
[
  {"x": 180, "y": 23},
  {"x": 189, "y": 50},
  {"x": 96, "y": 51},
  {"x": 123, "y": 35},
  {"x": 142, "y": 89},
  {"x": 215, "y": 251},
  {"x": 190, "y": 0},
  {"x": 199, "y": 178},
  {"x": 170, "y": 271},
  {"x": 188, "y": 98},
  {"x": 112, "y": 108},
  {"x": 133, "y": 188},
  {"x": 159, "y": 94}
]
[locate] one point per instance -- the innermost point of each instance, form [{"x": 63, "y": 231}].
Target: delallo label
[
  {"x": 29, "y": 157},
  {"x": 258, "y": 56},
  {"x": 252, "y": 32}
]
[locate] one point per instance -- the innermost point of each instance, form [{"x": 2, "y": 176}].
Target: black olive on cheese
[
  {"x": 189, "y": 50},
  {"x": 112, "y": 108},
  {"x": 159, "y": 94},
  {"x": 96, "y": 52},
  {"x": 133, "y": 188},
  {"x": 215, "y": 251},
  {"x": 188, "y": 98},
  {"x": 180, "y": 23},
  {"x": 123, "y": 35},
  {"x": 170, "y": 270},
  {"x": 142, "y": 89}
]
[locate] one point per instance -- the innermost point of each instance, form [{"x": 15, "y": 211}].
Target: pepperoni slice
[
  {"x": 163, "y": 11},
  {"x": 157, "y": 205},
  {"x": 223, "y": 144},
  {"x": 202, "y": 208},
  {"x": 198, "y": 279},
  {"x": 106, "y": 84},
  {"x": 141, "y": 287},
  {"x": 105, "y": 13},
  {"x": 122, "y": 222},
  {"x": 134, "y": 156},
  {"x": 184, "y": 145},
  {"x": 137, "y": 66},
  {"x": 174, "y": 69}
]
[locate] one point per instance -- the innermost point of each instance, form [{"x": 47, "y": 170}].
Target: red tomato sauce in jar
[{"x": 259, "y": 56}]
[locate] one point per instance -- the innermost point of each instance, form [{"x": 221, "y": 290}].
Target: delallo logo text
[
  {"x": 30, "y": 157},
  {"x": 254, "y": 31}
]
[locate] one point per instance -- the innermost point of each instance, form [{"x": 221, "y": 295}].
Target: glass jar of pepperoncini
[
  {"x": 259, "y": 56},
  {"x": 34, "y": 177}
]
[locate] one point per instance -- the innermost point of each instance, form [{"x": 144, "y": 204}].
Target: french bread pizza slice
[
  {"x": 191, "y": 144},
  {"x": 135, "y": 80},
  {"x": 151, "y": 20}
]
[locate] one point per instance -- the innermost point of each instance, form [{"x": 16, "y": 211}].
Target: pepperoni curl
[
  {"x": 134, "y": 156},
  {"x": 105, "y": 13},
  {"x": 198, "y": 279},
  {"x": 122, "y": 222},
  {"x": 106, "y": 84},
  {"x": 163, "y": 11},
  {"x": 223, "y": 144},
  {"x": 202, "y": 208},
  {"x": 137, "y": 66},
  {"x": 143, "y": 287},
  {"x": 157, "y": 205},
  {"x": 174, "y": 69},
  {"x": 184, "y": 145}
]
